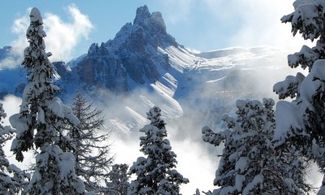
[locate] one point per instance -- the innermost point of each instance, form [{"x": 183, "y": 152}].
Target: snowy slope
[{"x": 204, "y": 87}]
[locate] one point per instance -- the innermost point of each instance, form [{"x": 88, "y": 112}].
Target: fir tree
[
  {"x": 12, "y": 179},
  {"x": 118, "y": 180},
  {"x": 304, "y": 125},
  {"x": 248, "y": 163},
  {"x": 92, "y": 154},
  {"x": 44, "y": 113},
  {"x": 156, "y": 173}
]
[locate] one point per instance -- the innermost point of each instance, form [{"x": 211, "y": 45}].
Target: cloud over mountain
[{"x": 62, "y": 36}]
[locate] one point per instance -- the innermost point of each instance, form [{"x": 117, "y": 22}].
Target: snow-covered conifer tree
[
  {"x": 12, "y": 179},
  {"x": 118, "y": 180},
  {"x": 92, "y": 154},
  {"x": 44, "y": 113},
  {"x": 308, "y": 20},
  {"x": 301, "y": 123},
  {"x": 248, "y": 164},
  {"x": 155, "y": 173}
]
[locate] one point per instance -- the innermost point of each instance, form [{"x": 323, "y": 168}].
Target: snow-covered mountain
[
  {"x": 131, "y": 59},
  {"x": 145, "y": 66}
]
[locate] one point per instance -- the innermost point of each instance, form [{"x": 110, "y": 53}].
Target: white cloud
[
  {"x": 19, "y": 27},
  {"x": 9, "y": 62},
  {"x": 245, "y": 23},
  {"x": 62, "y": 36},
  {"x": 261, "y": 24}
]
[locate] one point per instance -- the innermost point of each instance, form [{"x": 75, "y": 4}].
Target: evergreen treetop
[
  {"x": 44, "y": 113},
  {"x": 249, "y": 163},
  {"x": 156, "y": 173}
]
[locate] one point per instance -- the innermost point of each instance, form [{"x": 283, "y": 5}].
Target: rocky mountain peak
[
  {"x": 142, "y": 14},
  {"x": 132, "y": 58},
  {"x": 151, "y": 21}
]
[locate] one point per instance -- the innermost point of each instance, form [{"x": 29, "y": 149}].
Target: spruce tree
[
  {"x": 93, "y": 162},
  {"x": 301, "y": 121},
  {"x": 44, "y": 113},
  {"x": 118, "y": 180},
  {"x": 12, "y": 179},
  {"x": 155, "y": 173},
  {"x": 249, "y": 164}
]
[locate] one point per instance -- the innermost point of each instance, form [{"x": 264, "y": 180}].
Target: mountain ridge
[
  {"x": 145, "y": 66},
  {"x": 132, "y": 56}
]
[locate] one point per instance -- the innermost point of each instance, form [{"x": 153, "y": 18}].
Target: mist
[
  {"x": 202, "y": 97},
  {"x": 127, "y": 115}
]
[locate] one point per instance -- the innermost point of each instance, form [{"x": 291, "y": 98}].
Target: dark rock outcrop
[{"x": 132, "y": 58}]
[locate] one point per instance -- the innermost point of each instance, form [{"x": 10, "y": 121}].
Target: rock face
[
  {"x": 61, "y": 68},
  {"x": 131, "y": 58}
]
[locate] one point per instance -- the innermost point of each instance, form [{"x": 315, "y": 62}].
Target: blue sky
[{"x": 197, "y": 24}]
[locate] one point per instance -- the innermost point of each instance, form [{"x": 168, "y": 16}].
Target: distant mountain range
[{"x": 143, "y": 59}]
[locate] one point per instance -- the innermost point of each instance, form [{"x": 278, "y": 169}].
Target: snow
[
  {"x": 293, "y": 60},
  {"x": 179, "y": 57},
  {"x": 138, "y": 118},
  {"x": 62, "y": 111},
  {"x": 306, "y": 18},
  {"x": 183, "y": 59},
  {"x": 189, "y": 72},
  {"x": 240, "y": 179},
  {"x": 241, "y": 164},
  {"x": 258, "y": 179},
  {"x": 167, "y": 103},
  {"x": 18, "y": 123},
  {"x": 281, "y": 87},
  {"x": 309, "y": 55},
  {"x": 317, "y": 151},
  {"x": 298, "y": 3},
  {"x": 164, "y": 89},
  {"x": 41, "y": 116},
  {"x": 66, "y": 164},
  {"x": 226, "y": 191},
  {"x": 68, "y": 113},
  {"x": 307, "y": 89},
  {"x": 312, "y": 83},
  {"x": 160, "y": 162},
  {"x": 63, "y": 161},
  {"x": 288, "y": 116},
  {"x": 56, "y": 106},
  {"x": 318, "y": 70}
]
